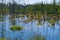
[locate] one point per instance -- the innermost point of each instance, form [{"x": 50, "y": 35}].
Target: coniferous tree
[{"x": 42, "y": 7}]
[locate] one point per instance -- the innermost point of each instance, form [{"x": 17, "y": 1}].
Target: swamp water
[{"x": 30, "y": 29}]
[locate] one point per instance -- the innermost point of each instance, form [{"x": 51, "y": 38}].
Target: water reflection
[{"x": 31, "y": 27}]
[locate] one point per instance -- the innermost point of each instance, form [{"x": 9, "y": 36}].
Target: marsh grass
[
  {"x": 38, "y": 38},
  {"x": 2, "y": 38},
  {"x": 17, "y": 28},
  {"x": 39, "y": 23},
  {"x": 52, "y": 22}
]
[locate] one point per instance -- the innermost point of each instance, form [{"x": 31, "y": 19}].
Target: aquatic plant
[
  {"x": 21, "y": 15},
  {"x": 1, "y": 18},
  {"x": 28, "y": 20},
  {"x": 37, "y": 17},
  {"x": 39, "y": 23},
  {"x": 12, "y": 18},
  {"x": 38, "y": 38},
  {"x": 17, "y": 28},
  {"x": 52, "y": 22},
  {"x": 2, "y": 38}
]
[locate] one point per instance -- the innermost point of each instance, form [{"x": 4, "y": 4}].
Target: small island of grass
[
  {"x": 17, "y": 28},
  {"x": 52, "y": 22},
  {"x": 2, "y": 38}
]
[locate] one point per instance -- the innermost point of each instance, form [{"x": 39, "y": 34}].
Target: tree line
[{"x": 14, "y": 8}]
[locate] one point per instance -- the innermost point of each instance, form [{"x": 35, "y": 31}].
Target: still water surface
[{"x": 29, "y": 30}]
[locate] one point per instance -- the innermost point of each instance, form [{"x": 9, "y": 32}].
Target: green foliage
[
  {"x": 41, "y": 8},
  {"x": 2, "y": 38},
  {"x": 52, "y": 22},
  {"x": 17, "y": 28},
  {"x": 38, "y": 38}
]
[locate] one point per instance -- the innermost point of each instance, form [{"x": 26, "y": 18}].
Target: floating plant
[
  {"x": 52, "y": 22},
  {"x": 38, "y": 38},
  {"x": 2, "y": 38},
  {"x": 17, "y": 28}
]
